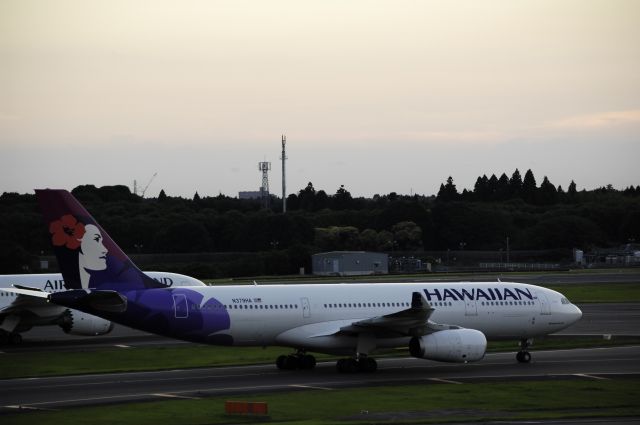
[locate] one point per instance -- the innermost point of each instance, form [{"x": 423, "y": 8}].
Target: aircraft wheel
[
  {"x": 15, "y": 339},
  {"x": 368, "y": 365},
  {"x": 523, "y": 357},
  {"x": 307, "y": 362},
  {"x": 347, "y": 366},
  {"x": 291, "y": 362},
  {"x": 281, "y": 361}
]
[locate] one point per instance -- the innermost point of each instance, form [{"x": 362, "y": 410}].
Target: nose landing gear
[
  {"x": 10, "y": 338},
  {"x": 523, "y": 356}
]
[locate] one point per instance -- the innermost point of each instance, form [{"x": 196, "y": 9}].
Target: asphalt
[{"x": 69, "y": 391}]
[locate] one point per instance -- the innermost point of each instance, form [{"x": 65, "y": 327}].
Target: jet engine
[
  {"x": 75, "y": 322},
  {"x": 452, "y": 345}
]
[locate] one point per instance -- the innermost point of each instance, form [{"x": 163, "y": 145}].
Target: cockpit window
[{"x": 564, "y": 300}]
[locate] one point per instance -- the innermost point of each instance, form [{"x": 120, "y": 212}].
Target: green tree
[
  {"x": 529, "y": 187},
  {"x": 408, "y": 235},
  {"x": 448, "y": 192},
  {"x": 342, "y": 199},
  {"x": 547, "y": 194},
  {"x": 515, "y": 184},
  {"x": 369, "y": 240},
  {"x": 307, "y": 197},
  {"x": 502, "y": 188}
]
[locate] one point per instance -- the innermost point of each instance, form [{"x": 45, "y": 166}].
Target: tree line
[{"x": 533, "y": 217}]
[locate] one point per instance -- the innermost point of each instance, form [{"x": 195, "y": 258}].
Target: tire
[
  {"x": 281, "y": 361},
  {"x": 15, "y": 339},
  {"x": 369, "y": 365},
  {"x": 291, "y": 362},
  {"x": 307, "y": 362},
  {"x": 523, "y": 357}
]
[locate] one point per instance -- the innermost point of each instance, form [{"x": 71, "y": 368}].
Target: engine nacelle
[
  {"x": 76, "y": 322},
  {"x": 452, "y": 345}
]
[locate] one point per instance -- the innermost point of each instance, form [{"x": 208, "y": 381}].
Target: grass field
[
  {"x": 424, "y": 403},
  {"x": 600, "y": 293},
  {"x": 114, "y": 359}
]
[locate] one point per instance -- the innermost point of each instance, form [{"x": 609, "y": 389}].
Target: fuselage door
[
  {"x": 180, "y": 305},
  {"x": 470, "y": 307},
  {"x": 544, "y": 302},
  {"x": 306, "y": 307}
]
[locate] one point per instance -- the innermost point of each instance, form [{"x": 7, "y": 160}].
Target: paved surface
[
  {"x": 58, "y": 392},
  {"x": 610, "y": 319}
]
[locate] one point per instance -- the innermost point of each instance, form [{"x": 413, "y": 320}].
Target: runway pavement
[{"x": 59, "y": 392}]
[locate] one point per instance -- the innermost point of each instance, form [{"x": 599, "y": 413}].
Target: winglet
[{"x": 418, "y": 301}]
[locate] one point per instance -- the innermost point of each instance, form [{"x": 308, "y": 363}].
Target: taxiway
[{"x": 83, "y": 390}]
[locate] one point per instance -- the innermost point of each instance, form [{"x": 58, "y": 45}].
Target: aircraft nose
[{"x": 577, "y": 314}]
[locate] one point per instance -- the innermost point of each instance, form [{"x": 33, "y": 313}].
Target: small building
[
  {"x": 350, "y": 263},
  {"x": 250, "y": 194}
]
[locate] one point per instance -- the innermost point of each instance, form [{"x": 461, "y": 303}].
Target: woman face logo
[{"x": 93, "y": 253}]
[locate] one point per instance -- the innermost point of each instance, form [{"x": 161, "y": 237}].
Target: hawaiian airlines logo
[
  {"x": 70, "y": 233},
  {"x": 67, "y": 232},
  {"x": 489, "y": 294}
]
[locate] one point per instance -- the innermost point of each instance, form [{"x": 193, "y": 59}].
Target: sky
[{"x": 378, "y": 96}]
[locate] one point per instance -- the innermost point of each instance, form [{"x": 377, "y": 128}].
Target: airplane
[
  {"x": 449, "y": 322},
  {"x": 18, "y": 315}
]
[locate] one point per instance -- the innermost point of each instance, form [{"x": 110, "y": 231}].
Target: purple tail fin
[{"x": 87, "y": 256}]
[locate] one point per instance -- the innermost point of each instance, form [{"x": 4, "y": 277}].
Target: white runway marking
[
  {"x": 175, "y": 396},
  {"x": 310, "y": 387},
  {"x": 446, "y": 381},
  {"x": 584, "y": 375}
]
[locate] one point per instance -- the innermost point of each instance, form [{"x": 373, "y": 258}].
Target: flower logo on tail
[{"x": 67, "y": 232}]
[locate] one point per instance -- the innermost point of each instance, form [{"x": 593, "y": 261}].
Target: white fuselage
[{"x": 311, "y": 316}]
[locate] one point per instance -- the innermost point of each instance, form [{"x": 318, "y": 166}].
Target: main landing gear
[
  {"x": 300, "y": 360},
  {"x": 10, "y": 338},
  {"x": 303, "y": 361},
  {"x": 523, "y": 356},
  {"x": 353, "y": 365}
]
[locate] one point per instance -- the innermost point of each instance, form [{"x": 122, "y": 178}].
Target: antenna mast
[
  {"x": 264, "y": 190},
  {"x": 284, "y": 175}
]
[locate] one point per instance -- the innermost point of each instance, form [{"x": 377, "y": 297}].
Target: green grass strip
[
  {"x": 421, "y": 403},
  {"x": 105, "y": 360},
  {"x": 600, "y": 292}
]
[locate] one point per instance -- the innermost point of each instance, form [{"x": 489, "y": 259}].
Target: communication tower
[
  {"x": 264, "y": 167},
  {"x": 284, "y": 175}
]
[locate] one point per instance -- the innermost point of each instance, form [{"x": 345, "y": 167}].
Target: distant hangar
[{"x": 350, "y": 263}]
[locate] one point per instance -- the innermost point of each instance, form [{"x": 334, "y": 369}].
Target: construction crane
[{"x": 147, "y": 186}]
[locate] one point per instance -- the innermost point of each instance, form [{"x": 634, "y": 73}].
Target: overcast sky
[{"x": 379, "y": 96}]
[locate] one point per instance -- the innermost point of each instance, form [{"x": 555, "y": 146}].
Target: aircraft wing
[
  {"x": 27, "y": 298},
  {"x": 413, "y": 321},
  {"x": 29, "y": 302}
]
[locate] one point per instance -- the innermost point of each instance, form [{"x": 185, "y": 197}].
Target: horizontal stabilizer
[
  {"x": 23, "y": 290},
  {"x": 107, "y": 301},
  {"x": 110, "y": 301},
  {"x": 27, "y": 287}
]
